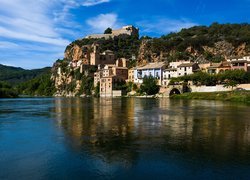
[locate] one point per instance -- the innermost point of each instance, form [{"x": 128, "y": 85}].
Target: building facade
[
  {"x": 131, "y": 75},
  {"x": 187, "y": 68},
  {"x": 152, "y": 69},
  {"x": 96, "y": 57},
  {"x": 109, "y": 86},
  {"x": 171, "y": 71}
]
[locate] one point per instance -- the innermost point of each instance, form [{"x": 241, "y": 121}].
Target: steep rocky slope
[{"x": 200, "y": 43}]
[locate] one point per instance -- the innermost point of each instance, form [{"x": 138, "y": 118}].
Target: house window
[{"x": 139, "y": 74}]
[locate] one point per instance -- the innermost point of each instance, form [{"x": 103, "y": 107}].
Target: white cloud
[
  {"x": 63, "y": 14},
  {"x": 8, "y": 45},
  {"x": 103, "y": 21},
  {"x": 28, "y": 32},
  {"x": 38, "y": 29},
  {"x": 94, "y": 2},
  {"x": 29, "y": 21},
  {"x": 161, "y": 25}
]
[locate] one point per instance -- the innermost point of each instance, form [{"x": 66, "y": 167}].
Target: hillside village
[{"x": 110, "y": 72}]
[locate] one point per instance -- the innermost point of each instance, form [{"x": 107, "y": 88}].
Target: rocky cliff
[
  {"x": 214, "y": 43},
  {"x": 220, "y": 50}
]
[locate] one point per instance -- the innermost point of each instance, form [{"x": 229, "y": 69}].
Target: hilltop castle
[{"x": 125, "y": 30}]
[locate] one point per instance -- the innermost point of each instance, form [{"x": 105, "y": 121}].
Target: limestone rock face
[
  {"x": 74, "y": 53},
  {"x": 192, "y": 51},
  {"x": 63, "y": 76},
  {"x": 241, "y": 50},
  {"x": 221, "y": 48},
  {"x": 146, "y": 55}
]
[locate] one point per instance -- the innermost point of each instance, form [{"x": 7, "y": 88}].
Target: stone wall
[{"x": 217, "y": 88}]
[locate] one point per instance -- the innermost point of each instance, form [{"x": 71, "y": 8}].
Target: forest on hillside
[{"x": 16, "y": 81}]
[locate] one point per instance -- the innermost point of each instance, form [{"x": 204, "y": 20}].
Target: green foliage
[
  {"x": 231, "y": 83},
  {"x": 16, "y": 75},
  {"x": 149, "y": 86},
  {"x": 86, "y": 86},
  {"x": 236, "y": 96},
  {"x": 77, "y": 75},
  {"x": 71, "y": 86},
  {"x": 39, "y": 86},
  {"x": 120, "y": 85},
  {"x": 108, "y": 31},
  {"x": 226, "y": 77},
  {"x": 97, "y": 90},
  {"x": 131, "y": 64},
  {"x": 199, "y": 36},
  {"x": 130, "y": 86},
  {"x": 6, "y": 91},
  {"x": 217, "y": 59},
  {"x": 176, "y": 43},
  {"x": 123, "y": 46}
]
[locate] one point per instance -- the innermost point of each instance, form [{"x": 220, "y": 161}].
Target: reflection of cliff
[
  {"x": 102, "y": 126},
  {"x": 121, "y": 129}
]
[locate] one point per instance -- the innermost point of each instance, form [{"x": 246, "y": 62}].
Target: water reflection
[
  {"x": 123, "y": 129},
  {"x": 99, "y": 126}
]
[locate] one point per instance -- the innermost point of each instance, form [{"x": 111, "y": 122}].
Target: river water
[{"x": 123, "y": 138}]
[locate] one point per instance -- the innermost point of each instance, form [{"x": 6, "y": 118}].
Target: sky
[{"x": 34, "y": 33}]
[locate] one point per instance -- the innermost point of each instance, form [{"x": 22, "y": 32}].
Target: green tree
[
  {"x": 108, "y": 31},
  {"x": 149, "y": 85},
  {"x": 97, "y": 90},
  {"x": 231, "y": 83},
  {"x": 6, "y": 91}
]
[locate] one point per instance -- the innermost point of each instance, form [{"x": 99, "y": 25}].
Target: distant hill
[
  {"x": 17, "y": 75},
  {"x": 199, "y": 43}
]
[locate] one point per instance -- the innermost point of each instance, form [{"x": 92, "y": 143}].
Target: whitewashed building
[
  {"x": 152, "y": 69},
  {"x": 187, "y": 69},
  {"x": 171, "y": 71}
]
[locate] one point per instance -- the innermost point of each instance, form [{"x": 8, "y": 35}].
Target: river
[{"x": 123, "y": 138}]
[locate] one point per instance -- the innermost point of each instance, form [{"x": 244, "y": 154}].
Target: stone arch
[{"x": 174, "y": 91}]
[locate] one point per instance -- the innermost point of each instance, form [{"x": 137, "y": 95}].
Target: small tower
[
  {"x": 95, "y": 55},
  {"x": 95, "y": 48}
]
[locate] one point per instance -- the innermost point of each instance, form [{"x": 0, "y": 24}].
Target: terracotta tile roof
[
  {"x": 214, "y": 65},
  {"x": 157, "y": 65},
  {"x": 186, "y": 65}
]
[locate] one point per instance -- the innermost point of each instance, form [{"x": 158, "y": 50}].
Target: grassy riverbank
[{"x": 236, "y": 96}]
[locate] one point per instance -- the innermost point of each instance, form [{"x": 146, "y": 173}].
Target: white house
[
  {"x": 187, "y": 68},
  {"x": 171, "y": 71},
  {"x": 168, "y": 74},
  {"x": 152, "y": 69}
]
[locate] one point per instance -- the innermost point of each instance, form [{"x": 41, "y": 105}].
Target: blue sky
[{"x": 34, "y": 33}]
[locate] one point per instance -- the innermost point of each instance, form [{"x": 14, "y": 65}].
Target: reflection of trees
[
  {"x": 118, "y": 129},
  {"x": 211, "y": 129}
]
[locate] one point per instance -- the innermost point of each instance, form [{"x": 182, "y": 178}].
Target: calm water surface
[{"x": 128, "y": 138}]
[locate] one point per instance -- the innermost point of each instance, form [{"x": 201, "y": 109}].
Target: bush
[
  {"x": 227, "y": 77},
  {"x": 149, "y": 85}
]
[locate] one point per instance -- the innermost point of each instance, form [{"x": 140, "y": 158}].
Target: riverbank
[{"x": 236, "y": 96}]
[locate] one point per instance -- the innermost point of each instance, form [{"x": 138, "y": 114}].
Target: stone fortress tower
[{"x": 125, "y": 30}]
